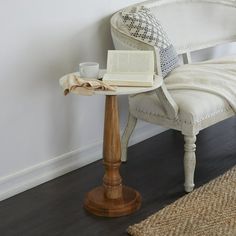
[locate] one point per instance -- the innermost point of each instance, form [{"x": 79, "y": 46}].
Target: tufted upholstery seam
[{"x": 184, "y": 121}]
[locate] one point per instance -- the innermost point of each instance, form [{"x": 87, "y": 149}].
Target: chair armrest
[
  {"x": 167, "y": 101},
  {"x": 164, "y": 96}
]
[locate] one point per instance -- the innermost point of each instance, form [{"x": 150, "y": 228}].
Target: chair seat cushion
[{"x": 195, "y": 106}]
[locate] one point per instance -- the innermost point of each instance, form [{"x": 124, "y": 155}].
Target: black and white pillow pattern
[{"x": 144, "y": 26}]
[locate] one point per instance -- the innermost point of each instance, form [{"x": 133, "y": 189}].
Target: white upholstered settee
[{"x": 191, "y": 25}]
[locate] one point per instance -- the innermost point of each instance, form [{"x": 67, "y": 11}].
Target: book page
[
  {"x": 129, "y": 79},
  {"x": 124, "y": 61}
]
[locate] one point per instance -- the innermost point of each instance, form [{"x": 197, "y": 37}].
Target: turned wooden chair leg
[
  {"x": 189, "y": 161},
  {"x": 126, "y": 135}
]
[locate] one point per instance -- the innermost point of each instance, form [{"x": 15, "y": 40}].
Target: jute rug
[{"x": 208, "y": 210}]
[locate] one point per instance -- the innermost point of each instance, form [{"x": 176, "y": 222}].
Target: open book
[{"x": 129, "y": 68}]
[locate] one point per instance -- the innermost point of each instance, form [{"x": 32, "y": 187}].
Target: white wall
[
  {"x": 41, "y": 41},
  {"x": 44, "y": 134}
]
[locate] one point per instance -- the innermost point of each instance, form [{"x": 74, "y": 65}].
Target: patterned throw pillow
[{"x": 144, "y": 26}]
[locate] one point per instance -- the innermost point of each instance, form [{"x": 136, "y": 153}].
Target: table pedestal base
[
  {"x": 98, "y": 204},
  {"x": 112, "y": 199}
]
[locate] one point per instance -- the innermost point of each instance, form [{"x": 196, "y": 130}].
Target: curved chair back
[{"x": 190, "y": 24}]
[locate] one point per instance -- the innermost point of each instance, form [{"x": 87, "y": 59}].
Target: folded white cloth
[
  {"x": 73, "y": 83},
  {"x": 216, "y": 76}
]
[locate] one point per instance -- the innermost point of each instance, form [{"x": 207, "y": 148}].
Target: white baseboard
[{"x": 60, "y": 165}]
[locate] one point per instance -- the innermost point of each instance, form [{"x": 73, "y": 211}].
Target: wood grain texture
[
  {"x": 112, "y": 181},
  {"x": 155, "y": 169},
  {"x": 112, "y": 199},
  {"x": 97, "y": 203}
]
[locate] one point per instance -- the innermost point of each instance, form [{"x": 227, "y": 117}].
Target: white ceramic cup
[{"x": 89, "y": 70}]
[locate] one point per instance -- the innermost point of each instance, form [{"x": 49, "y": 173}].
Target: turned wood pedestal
[{"x": 112, "y": 199}]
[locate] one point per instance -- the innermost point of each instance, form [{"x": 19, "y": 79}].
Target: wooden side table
[{"x": 114, "y": 199}]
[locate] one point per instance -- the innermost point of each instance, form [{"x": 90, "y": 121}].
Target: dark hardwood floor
[{"x": 154, "y": 168}]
